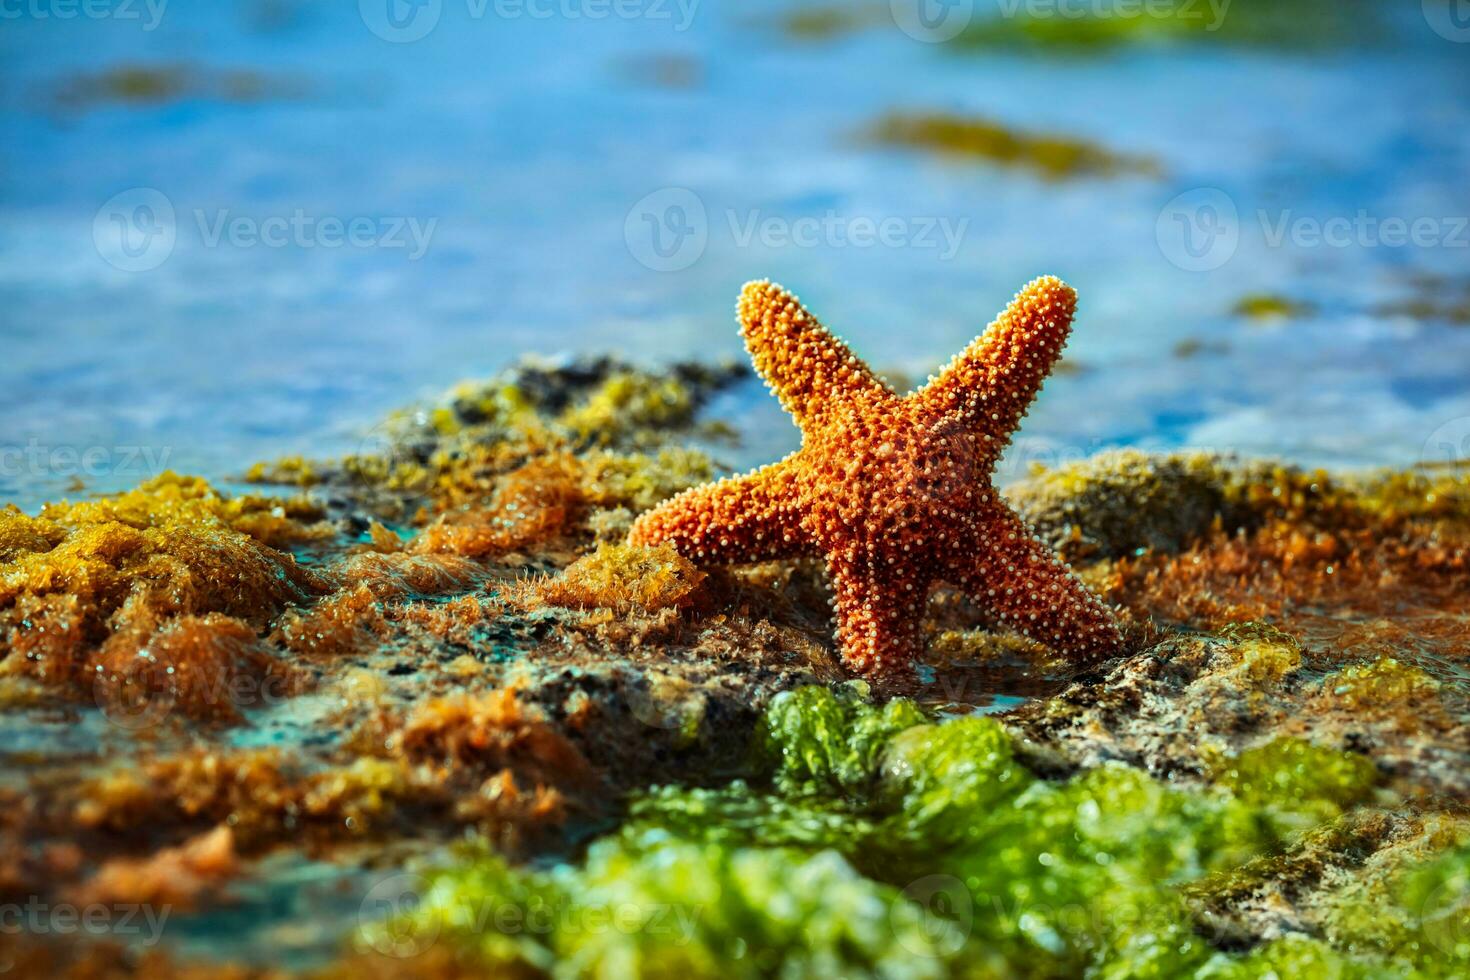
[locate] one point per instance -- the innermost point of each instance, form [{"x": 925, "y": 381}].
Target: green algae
[
  {"x": 1101, "y": 29},
  {"x": 817, "y": 741},
  {"x": 868, "y": 833},
  {"x": 1296, "y": 784},
  {"x": 648, "y": 904},
  {"x": 1416, "y": 913},
  {"x": 1053, "y": 156},
  {"x": 1385, "y": 681}
]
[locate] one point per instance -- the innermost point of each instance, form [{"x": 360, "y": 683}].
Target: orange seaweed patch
[
  {"x": 173, "y": 877},
  {"x": 530, "y": 505},
  {"x": 506, "y": 810},
  {"x": 625, "y": 578},
  {"x": 448, "y": 622},
  {"x": 207, "y": 666},
  {"x": 1337, "y": 581},
  {"x": 27, "y": 955},
  {"x": 262, "y": 796},
  {"x": 487, "y": 733},
  {"x": 116, "y": 571},
  {"x": 357, "y": 616},
  {"x": 346, "y": 622},
  {"x": 399, "y": 575}
]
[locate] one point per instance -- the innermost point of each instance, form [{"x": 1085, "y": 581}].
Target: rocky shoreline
[{"x": 446, "y": 636}]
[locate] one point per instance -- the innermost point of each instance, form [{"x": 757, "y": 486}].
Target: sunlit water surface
[{"x": 520, "y": 149}]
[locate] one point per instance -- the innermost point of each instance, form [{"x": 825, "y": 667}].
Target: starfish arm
[
  {"x": 804, "y": 363},
  {"x": 878, "y": 620},
  {"x": 1027, "y": 588},
  {"x": 746, "y": 518},
  {"x": 989, "y": 385}
]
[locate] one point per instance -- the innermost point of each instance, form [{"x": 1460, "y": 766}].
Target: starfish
[{"x": 895, "y": 491}]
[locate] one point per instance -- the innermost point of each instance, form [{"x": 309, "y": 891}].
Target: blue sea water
[{"x": 171, "y": 294}]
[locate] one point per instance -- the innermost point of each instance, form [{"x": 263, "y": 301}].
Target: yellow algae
[
  {"x": 1268, "y": 306},
  {"x": 20, "y": 533},
  {"x": 123, "y": 567},
  {"x": 157, "y": 84},
  {"x": 624, "y": 578},
  {"x": 640, "y": 481},
  {"x": 290, "y": 470},
  {"x": 1383, "y": 683},
  {"x": 628, "y": 401},
  {"x": 1263, "y": 657},
  {"x": 1051, "y": 155}
]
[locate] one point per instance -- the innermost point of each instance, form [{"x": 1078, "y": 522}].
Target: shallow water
[{"x": 522, "y": 148}]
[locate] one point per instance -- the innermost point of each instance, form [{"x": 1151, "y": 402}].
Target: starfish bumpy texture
[{"x": 895, "y": 491}]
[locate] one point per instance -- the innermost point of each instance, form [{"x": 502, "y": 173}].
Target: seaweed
[
  {"x": 971, "y": 859},
  {"x": 1053, "y": 157}
]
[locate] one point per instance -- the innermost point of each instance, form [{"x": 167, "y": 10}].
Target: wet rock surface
[{"x": 445, "y": 638}]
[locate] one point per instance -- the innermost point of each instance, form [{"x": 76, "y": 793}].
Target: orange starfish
[{"x": 895, "y": 491}]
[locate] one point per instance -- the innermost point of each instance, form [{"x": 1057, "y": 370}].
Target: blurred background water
[{"x": 583, "y": 175}]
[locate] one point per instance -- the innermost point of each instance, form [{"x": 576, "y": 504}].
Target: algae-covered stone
[{"x": 1120, "y": 502}]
